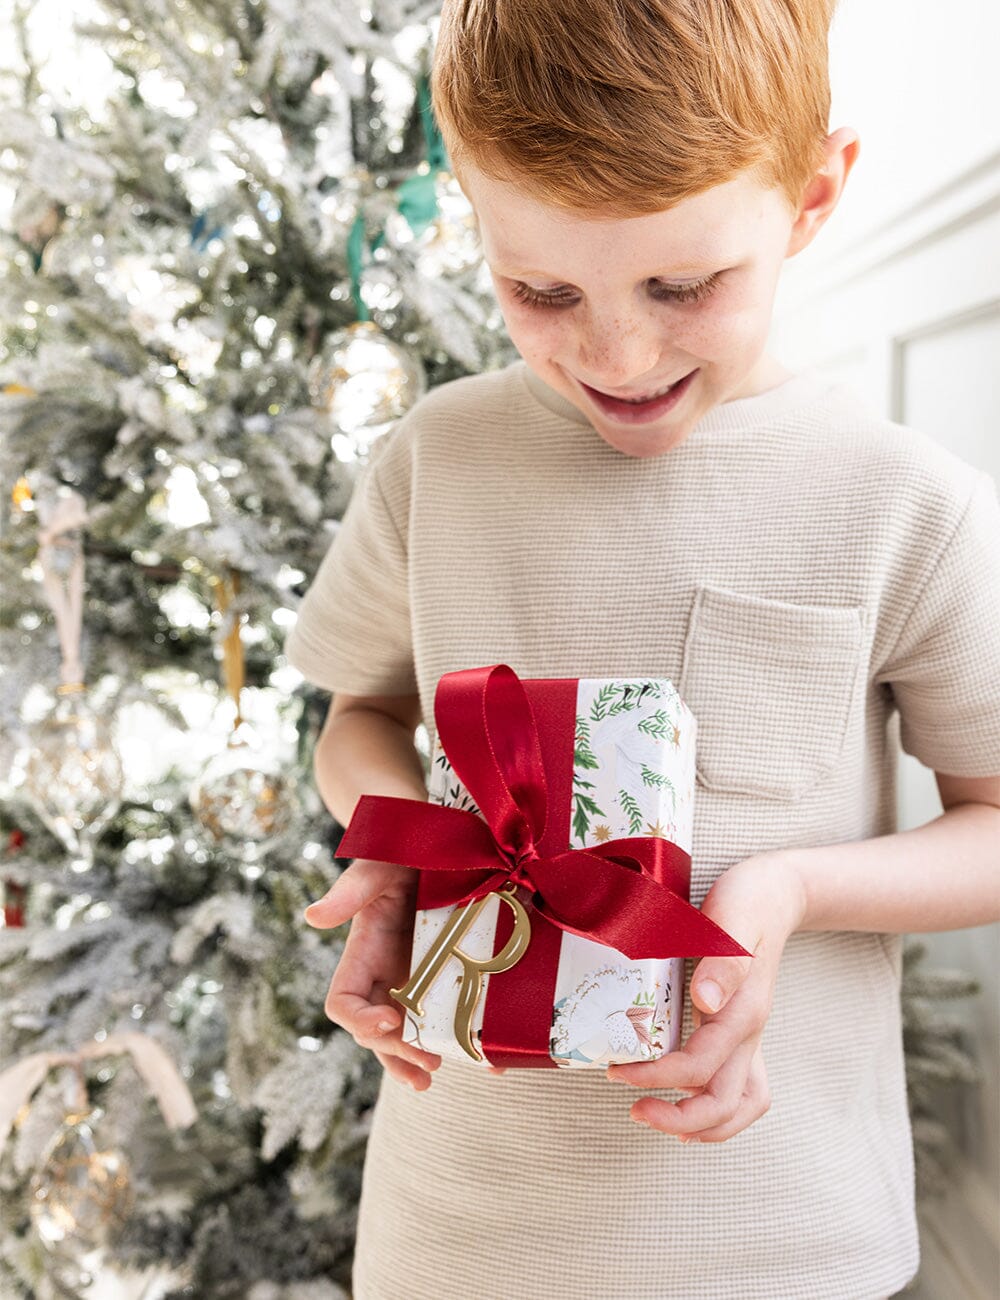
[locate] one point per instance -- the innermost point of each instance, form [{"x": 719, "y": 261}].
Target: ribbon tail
[
  {"x": 661, "y": 859},
  {"x": 417, "y": 834},
  {"x": 157, "y": 1070},
  {"x": 18, "y": 1085},
  {"x": 625, "y": 910}
]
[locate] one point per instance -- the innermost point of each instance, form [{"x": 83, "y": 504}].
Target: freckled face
[{"x": 611, "y": 309}]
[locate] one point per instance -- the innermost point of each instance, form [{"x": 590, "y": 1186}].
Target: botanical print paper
[{"x": 633, "y": 774}]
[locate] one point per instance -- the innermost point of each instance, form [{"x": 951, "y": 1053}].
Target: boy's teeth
[{"x": 638, "y": 401}]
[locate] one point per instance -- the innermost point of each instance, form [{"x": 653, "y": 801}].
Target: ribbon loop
[
  {"x": 629, "y": 894},
  {"x": 487, "y": 729}
]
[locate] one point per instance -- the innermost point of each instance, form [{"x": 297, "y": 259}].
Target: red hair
[{"x": 626, "y": 107}]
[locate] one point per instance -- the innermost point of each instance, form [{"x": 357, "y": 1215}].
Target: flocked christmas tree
[{"x": 232, "y": 257}]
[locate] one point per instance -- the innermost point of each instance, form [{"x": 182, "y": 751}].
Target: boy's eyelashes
[{"x": 697, "y": 291}]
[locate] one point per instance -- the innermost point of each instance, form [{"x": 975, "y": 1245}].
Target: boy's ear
[{"x": 824, "y": 190}]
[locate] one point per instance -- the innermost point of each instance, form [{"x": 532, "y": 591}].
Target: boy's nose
[{"x": 620, "y": 356}]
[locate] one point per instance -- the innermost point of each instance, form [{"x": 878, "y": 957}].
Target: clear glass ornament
[
  {"x": 81, "y": 1194},
  {"x": 380, "y": 289},
  {"x": 365, "y": 382},
  {"x": 242, "y": 798},
  {"x": 448, "y": 245},
  {"x": 339, "y": 208},
  {"x": 73, "y": 773}
]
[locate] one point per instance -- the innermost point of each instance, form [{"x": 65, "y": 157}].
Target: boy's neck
[{"x": 768, "y": 373}]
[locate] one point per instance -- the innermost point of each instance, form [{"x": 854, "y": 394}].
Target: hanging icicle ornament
[
  {"x": 433, "y": 215},
  {"x": 72, "y": 772},
  {"x": 241, "y": 798},
  {"x": 364, "y": 382},
  {"x": 361, "y": 378}
]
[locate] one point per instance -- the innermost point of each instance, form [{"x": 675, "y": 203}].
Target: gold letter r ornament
[{"x": 412, "y": 993}]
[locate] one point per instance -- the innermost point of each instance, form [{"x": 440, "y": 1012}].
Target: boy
[{"x": 647, "y": 491}]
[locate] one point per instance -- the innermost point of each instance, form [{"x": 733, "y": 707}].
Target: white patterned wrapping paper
[{"x": 633, "y": 774}]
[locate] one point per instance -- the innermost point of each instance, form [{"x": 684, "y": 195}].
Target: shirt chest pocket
[{"x": 771, "y": 685}]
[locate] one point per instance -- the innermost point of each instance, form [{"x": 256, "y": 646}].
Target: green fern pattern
[
  {"x": 584, "y": 808},
  {"x": 659, "y": 782},
  {"x": 611, "y": 699},
  {"x": 583, "y": 755},
  {"x": 622, "y": 697},
  {"x": 632, "y": 811},
  {"x": 459, "y": 797},
  {"x": 656, "y": 725}
]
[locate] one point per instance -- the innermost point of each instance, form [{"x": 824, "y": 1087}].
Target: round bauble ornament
[
  {"x": 364, "y": 382},
  {"x": 82, "y": 1193},
  {"x": 72, "y": 772},
  {"x": 450, "y": 244},
  {"x": 242, "y": 797}
]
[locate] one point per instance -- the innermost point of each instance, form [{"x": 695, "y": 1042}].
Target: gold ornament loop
[{"x": 233, "y": 664}]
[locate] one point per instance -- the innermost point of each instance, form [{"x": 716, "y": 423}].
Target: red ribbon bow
[{"x": 629, "y": 894}]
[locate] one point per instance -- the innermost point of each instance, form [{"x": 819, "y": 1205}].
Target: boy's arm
[
  {"x": 940, "y": 876},
  {"x": 366, "y": 747}
]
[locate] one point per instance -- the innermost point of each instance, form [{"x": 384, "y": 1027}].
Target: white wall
[
  {"x": 918, "y": 80},
  {"x": 899, "y": 296}
]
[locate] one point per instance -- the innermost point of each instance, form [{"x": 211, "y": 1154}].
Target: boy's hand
[
  {"x": 759, "y": 902},
  {"x": 376, "y": 957}
]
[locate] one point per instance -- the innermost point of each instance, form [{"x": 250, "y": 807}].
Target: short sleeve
[
  {"x": 944, "y": 670},
  {"x": 353, "y": 631}
]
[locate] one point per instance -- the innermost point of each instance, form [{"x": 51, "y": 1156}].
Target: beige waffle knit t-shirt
[{"x": 802, "y": 570}]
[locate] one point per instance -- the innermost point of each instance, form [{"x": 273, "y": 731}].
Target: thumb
[
  {"x": 734, "y": 903},
  {"x": 716, "y": 979},
  {"x": 356, "y": 886}
]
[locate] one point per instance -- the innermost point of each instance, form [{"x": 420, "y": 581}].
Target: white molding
[
  {"x": 966, "y": 199},
  {"x": 932, "y": 327}
]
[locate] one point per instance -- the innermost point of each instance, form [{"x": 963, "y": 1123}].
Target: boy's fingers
[
  {"x": 390, "y": 1042},
  {"x": 371, "y": 953},
  {"x": 356, "y": 1014},
  {"x": 358, "y": 1000},
  {"x": 374, "y": 954},
  {"x": 357, "y": 886},
  {"x": 393, "y": 1045},
  {"x": 358, "y": 995},
  {"x": 365, "y": 1025},
  {"x": 694, "y": 1064},
  {"x": 714, "y": 1105},
  {"x": 716, "y": 979},
  {"x": 756, "y": 1102},
  {"x": 404, "y": 1072}
]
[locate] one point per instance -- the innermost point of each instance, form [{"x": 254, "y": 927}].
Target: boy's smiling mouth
[
  {"x": 644, "y": 397},
  {"x": 640, "y": 410}
]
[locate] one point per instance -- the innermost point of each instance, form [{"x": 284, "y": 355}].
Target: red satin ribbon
[{"x": 630, "y": 894}]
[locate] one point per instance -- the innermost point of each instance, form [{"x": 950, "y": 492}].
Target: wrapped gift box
[{"x": 633, "y": 775}]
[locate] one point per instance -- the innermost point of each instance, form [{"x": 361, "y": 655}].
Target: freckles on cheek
[
  {"x": 715, "y": 335},
  {"x": 531, "y": 336}
]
